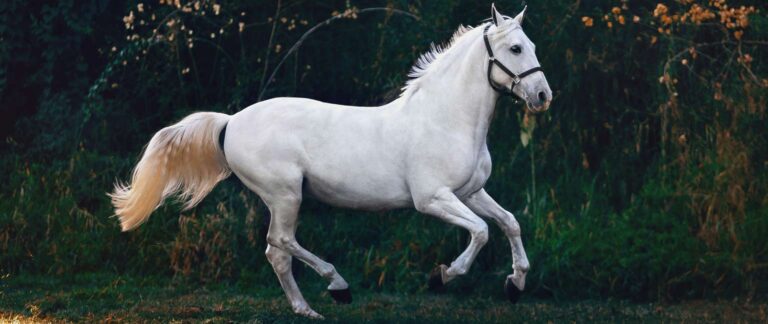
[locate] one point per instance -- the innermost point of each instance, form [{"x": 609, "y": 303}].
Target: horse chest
[
  {"x": 462, "y": 169},
  {"x": 478, "y": 177}
]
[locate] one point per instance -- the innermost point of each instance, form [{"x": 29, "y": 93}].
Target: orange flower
[{"x": 588, "y": 21}]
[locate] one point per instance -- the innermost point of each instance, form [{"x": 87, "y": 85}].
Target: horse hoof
[
  {"x": 435, "y": 282},
  {"x": 512, "y": 292},
  {"x": 341, "y": 296}
]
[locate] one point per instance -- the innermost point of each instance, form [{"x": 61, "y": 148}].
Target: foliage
[{"x": 647, "y": 179}]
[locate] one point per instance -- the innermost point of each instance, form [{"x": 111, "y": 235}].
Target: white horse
[{"x": 427, "y": 150}]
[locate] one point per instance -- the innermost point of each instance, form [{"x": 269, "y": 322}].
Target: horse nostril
[{"x": 542, "y": 96}]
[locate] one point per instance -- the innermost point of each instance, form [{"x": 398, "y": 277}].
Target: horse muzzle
[
  {"x": 538, "y": 107},
  {"x": 540, "y": 101}
]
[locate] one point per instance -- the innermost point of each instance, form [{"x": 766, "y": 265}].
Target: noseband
[{"x": 492, "y": 60}]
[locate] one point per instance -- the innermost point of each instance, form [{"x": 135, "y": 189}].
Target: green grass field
[{"x": 110, "y": 298}]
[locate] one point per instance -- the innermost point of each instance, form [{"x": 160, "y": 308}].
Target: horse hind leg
[
  {"x": 281, "y": 263},
  {"x": 281, "y": 235}
]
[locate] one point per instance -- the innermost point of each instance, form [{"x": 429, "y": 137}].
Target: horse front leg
[
  {"x": 482, "y": 204},
  {"x": 444, "y": 205}
]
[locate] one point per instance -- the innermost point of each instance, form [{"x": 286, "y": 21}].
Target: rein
[{"x": 515, "y": 77}]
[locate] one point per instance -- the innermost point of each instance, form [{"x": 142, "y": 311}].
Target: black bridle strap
[{"x": 493, "y": 61}]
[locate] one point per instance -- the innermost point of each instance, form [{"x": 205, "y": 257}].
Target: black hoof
[
  {"x": 341, "y": 296},
  {"x": 435, "y": 282},
  {"x": 512, "y": 292}
]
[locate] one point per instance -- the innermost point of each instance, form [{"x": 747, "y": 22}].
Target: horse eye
[{"x": 516, "y": 49}]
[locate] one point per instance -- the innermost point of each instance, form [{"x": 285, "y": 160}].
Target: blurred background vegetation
[{"x": 648, "y": 178}]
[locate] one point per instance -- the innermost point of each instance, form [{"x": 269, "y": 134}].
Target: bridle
[{"x": 492, "y": 60}]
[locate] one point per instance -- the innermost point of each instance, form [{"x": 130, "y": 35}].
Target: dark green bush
[{"x": 647, "y": 178}]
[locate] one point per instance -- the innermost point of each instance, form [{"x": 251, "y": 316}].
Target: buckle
[{"x": 515, "y": 80}]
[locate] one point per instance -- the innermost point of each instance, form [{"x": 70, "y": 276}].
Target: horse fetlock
[
  {"x": 456, "y": 269},
  {"x": 337, "y": 282},
  {"x": 458, "y": 272},
  {"x": 522, "y": 266},
  {"x": 304, "y": 310}
]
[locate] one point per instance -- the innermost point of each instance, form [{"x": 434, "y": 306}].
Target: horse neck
[{"x": 455, "y": 91}]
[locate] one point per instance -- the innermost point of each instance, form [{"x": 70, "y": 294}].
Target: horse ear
[
  {"x": 519, "y": 17},
  {"x": 495, "y": 15}
]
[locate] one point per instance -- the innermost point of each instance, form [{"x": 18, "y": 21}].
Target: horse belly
[{"x": 358, "y": 188}]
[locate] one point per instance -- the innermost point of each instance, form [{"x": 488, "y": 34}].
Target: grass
[{"x": 110, "y": 298}]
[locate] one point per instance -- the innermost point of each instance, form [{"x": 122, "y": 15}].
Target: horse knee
[
  {"x": 511, "y": 224},
  {"x": 480, "y": 233},
  {"x": 279, "y": 260},
  {"x": 524, "y": 266}
]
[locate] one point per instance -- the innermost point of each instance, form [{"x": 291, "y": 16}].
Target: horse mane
[
  {"x": 421, "y": 67},
  {"x": 422, "y": 64}
]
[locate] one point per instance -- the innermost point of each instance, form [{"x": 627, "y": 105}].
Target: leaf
[
  {"x": 527, "y": 126},
  {"x": 524, "y": 138}
]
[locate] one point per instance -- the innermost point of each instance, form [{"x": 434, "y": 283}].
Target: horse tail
[{"x": 184, "y": 159}]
